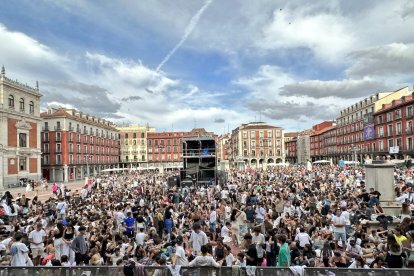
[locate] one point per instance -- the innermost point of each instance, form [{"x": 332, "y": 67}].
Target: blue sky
[{"x": 290, "y": 63}]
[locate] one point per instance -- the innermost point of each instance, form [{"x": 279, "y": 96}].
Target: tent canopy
[{"x": 321, "y": 162}]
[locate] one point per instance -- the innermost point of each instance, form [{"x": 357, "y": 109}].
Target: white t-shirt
[
  {"x": 61, "y": 207},
  {"x": 224, "y": 231},
  {"x": 37, "y": 237},
  {"x": 18, "y": 251},
  {"x": 227, "y": 211},
  {"x": 338, "y": 220},
  {"x": 345, "y": 214},
  {"x": 140, "y": 238},
  {"x": 213, "y": 217},
  {"x": 181, "y": 257},
  {"x": 303, "y": 239},
  {"x": 259, "y": 240},
  {"x": 197, "y": 240}
]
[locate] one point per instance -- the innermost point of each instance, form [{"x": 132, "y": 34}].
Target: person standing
[
  {"x": 18, "y": 251},
  {"x": 259, "y": 240},
  {"x": 37, "y": 239},
  {"x": 338, "y": 223},
  {"x": 197, "y": 239},
  {"x": 213, "y": 221},
  {"x": 283, "y": 259},
  {"x": 251, "y": 250},
  {"x": 80, "y": 247}
]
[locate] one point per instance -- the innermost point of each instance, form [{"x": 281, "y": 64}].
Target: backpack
[{"x": 129, "y": 268}]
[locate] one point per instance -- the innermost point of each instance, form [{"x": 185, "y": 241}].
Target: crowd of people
[{"x": 323, "y": 216}]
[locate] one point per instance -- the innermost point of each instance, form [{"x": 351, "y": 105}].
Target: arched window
[
  {"x": 31, "y": 107},
  {"x": 11, "y": 101},
  {"x": 21, "y": 102}
]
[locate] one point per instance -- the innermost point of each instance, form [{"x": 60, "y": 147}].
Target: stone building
[{"x": 20, "y": 153}]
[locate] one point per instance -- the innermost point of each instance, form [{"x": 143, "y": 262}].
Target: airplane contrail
[{"x": 188, "y": 30}]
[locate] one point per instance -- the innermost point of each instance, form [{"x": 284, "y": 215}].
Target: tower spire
[{"x": 37, "y": 85}]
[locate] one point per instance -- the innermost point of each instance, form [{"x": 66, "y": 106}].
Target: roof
[
  {"x": 61, "y": 112},
  {"x": 291, "y": 134},
  {"x": 396, "y": 104}
]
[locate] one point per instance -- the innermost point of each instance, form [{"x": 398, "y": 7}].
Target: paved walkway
[{"x": 44, "y": 195}]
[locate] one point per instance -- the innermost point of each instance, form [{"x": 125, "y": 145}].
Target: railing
[{"x": 198, "y": 271}]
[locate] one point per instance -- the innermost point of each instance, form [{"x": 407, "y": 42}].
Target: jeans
[{"x": 168, "y": 224}]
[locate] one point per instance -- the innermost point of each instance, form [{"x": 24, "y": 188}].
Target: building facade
[
  {"x": 76, "y": 145},
  {"x": 290, "y": 146},
  {"x": 317, "y": 140},
  {"x": 394, "y": 128},
  {"x": 357, "y": 121},
  {"x": 20, "y": 153},
  {"x": 133, "y": 145},
  {"x": 256, "y": 144}
]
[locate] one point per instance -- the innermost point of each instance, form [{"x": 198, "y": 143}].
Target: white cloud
[
  {"x": 328, "y": 36},
  {"x": 385, "y": 60},
  {"x": 347, "y": 88}
]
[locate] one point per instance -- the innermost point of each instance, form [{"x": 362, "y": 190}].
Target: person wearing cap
[
  {"x": 37, "y": 238},
  {"x": 80, "y": 247},
  {"x": 179, "y": 257}
]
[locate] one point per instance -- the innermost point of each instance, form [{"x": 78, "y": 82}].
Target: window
[
  {"x": 390, "y": 143},
  {"x": 389, "y": 130},
  {"x": 409, "y": 143},
  {"x": 245, "y": 134},
  {"x": 142, "y": 135},
  {"x": 58, "y": 148},
  {"x": 11, "y": 101},
  {"x": 409, "y": 111},
  {"x": 389, "y": 116},
  {"x": 22, "y": 140},
  {"x": 135, "y": 137},
  {"x": 269, "y": 133},
  {"x": 58, "y": 159},
  {"x": 22, "y": 163},
  {"x": 31, "y": 107},
  {"x": 21, "y": 104}
]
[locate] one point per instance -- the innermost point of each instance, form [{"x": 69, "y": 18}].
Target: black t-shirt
[{"x": 252, "y": 252}]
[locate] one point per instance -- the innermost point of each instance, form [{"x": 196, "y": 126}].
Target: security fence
[{"x": 198, "y": 271}]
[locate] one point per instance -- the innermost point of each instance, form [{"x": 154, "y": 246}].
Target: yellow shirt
[{"x": 400, "y": 239}]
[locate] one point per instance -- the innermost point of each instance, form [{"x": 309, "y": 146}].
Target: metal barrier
[
  {"x": 141, "y": 270},
  {"x": 357, "y": 272},
  {"x": 196, "y": 271}
]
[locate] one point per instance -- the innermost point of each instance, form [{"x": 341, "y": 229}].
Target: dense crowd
[{"x": 283, "y": 216}]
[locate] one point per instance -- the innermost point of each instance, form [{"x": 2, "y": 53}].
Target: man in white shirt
[
  {"x": 37, "y": 239},
  {"x": 18, "y": 251},
  {"x": 179, "y": 257},
  {"x": 260, "y": 213},
  {"x": 259, "y": 239},
  {"x": 140, "y": 237},
  {"x": 346, "y": 216},
  {"x": 213, "y": 220},
  {"x": 338, "y": 225},
  {"x": 303, "y": 238},
  {"x": 227, "y": 212},
  {"x": 197, "y": 239},
  {"x": 61, "y": 209}
]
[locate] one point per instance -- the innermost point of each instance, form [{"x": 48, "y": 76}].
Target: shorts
[
  {"x": 80, "y": 258},
  {"x": 339, "y": 236},
  {"x": 37, "y": 252}
]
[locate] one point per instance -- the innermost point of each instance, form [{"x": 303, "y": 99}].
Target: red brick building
[
  {"x": 76, "y": 145},
  {"x": 19, "y": 131},
  {"x": 291, "y": 146},
  {"x": 394, "y": 128},
  {"x": 317, "y": 139}
]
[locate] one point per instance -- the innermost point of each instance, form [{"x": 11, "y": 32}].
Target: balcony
[
  {"x": 45, "y": 128},
  {"x": 46, "y": 151},
  {"x": 58, "y": 162},
  {"x": 71, "y": 129},
  {"x": 46, "y": 139},
  {"x": 58, "y": 128},
  {"x": 398, "y": 132}
]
